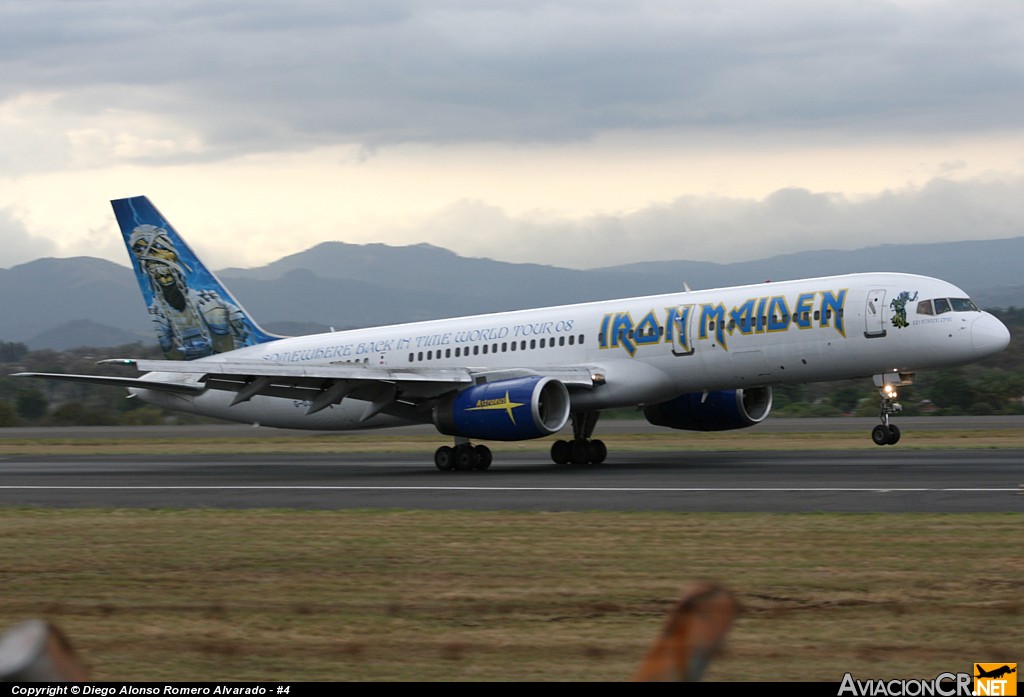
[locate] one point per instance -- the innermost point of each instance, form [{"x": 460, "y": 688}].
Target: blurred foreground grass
[{"x": 411, "y": 595}]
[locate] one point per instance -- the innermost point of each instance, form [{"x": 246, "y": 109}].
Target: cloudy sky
[{"x": 580, "y": 133}]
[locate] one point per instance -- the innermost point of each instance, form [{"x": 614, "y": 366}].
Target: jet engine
[
  {"x": 514, "y": 409},
  {"x": 723, "y": 410}
]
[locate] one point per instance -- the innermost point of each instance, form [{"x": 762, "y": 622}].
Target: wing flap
[
  {"x": 352, "y": 371},
  {"x": 138, "y": 383}
]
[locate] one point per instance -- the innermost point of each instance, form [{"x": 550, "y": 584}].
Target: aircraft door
[{"x": 874, "y": 314}]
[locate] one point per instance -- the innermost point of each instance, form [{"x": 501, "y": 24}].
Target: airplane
[
  {"x": 703, "y": 360},
  {"x": 995, "y": 672}
]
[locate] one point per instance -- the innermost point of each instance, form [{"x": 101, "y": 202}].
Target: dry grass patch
[{"x": 394, "y": 595}]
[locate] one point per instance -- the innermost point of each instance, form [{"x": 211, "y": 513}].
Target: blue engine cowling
[
  {"x": 515, "y": 409},
  {"x": 716, "y": 411}
]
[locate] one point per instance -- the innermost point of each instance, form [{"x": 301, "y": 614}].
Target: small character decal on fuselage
[{"x": 899, "y": 308}]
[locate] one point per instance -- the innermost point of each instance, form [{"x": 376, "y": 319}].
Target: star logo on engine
[{"x": 489, "y": 404}]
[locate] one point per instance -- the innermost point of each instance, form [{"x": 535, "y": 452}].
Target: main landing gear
[
  {"x": 463, "y": 456},
  {"x": 581, "y": 449},
  {"x": 886, "y": 433}
]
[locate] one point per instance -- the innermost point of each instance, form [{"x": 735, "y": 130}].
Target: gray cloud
[
  {"x": 256, "y": 77},
  {"x": 17, "y": 246},
  {"x": 733, "y": 229}
]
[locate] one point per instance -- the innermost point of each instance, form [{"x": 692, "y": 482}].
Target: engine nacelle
[
  {"x": 718, "y": 411},
  {"x": 515, "y": 409}
]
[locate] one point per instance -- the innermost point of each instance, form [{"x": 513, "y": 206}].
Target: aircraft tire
[
  {"x": 561, "y": 452},
  {"x": 444, "y": 458},
  {"x": 465, "y": 458},
  {"x": 483, "y": 457},
  {"x": 598, "y": 451},
  {"x": 894, "y": 435},
  {"x": 880, "y": 435},
  {"x": 579, "y": 452}
]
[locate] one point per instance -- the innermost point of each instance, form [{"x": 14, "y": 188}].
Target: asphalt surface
[
  {"x": 873, "y": 479},
  {"x": 869, "y": 479}
]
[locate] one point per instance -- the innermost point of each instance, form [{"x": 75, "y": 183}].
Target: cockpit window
[
  {"x": 941, "y": 305},
  {"x": 963, "y": 305}
]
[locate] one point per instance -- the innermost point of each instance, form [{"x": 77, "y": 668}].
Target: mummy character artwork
[{"x": 189, "y": 323}]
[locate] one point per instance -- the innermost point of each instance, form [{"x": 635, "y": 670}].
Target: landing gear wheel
[
  {"x": 561, "y": 452},
  {"x": 444, "y": 458},
  {"x": 880, "y": 435},
  {"x": 483, "y": 457},
  {"x": 579, "y": 452},
  {"x": 887, "y": 433},
  {"x": 465, "y": 457}
]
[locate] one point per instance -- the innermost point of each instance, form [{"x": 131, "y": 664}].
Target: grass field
[
  {"x": 396, "y": 595},
  {"x": 375, "y": 442},
  {"x": 417, "y": 595}
]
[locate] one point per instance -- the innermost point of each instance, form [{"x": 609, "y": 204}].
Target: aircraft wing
[
  {"x": 177, "y": 387},
  {"x": 321, "y": 385}
]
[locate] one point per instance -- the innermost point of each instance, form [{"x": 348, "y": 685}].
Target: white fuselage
[{"x": 647, "y": 349}]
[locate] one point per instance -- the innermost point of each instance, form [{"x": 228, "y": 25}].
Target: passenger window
[
  {"x": 924, "y": 307},
  {"x": 942, "y": 305}
]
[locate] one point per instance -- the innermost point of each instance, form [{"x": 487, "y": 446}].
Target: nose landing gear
[{"x": 887, "y": 433}]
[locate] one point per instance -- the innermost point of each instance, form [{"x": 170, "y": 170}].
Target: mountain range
[{"x": 84, "y": 301}]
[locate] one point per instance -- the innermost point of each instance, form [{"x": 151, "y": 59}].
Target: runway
[{"x": 882, "y": 480}]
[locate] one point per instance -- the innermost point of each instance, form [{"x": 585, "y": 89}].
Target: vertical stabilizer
[{"x": 193, "y": 314}]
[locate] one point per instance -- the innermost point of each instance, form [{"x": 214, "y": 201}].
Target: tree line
[{"x": 993, "y": 386}]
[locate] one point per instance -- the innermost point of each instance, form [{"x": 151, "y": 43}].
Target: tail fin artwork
[{"x": 193, "y": 313}]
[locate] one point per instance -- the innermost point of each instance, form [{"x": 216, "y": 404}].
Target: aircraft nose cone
[{"x": 989, "y": 335}]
